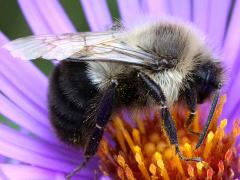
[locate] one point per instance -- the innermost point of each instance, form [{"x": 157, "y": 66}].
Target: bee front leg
[
  {"x": 157, "y": 94},
  {"x": 102, "y": 117}
]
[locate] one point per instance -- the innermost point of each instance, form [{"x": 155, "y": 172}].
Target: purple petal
[
  {"x": 45, "y": 16},
  {"x": 97, "y": 14},
  {"x": 54, "y": 16},
  {"x": 21, "y": 101},
  {"x": 156, "y": 8},
  {"x": 11, "y": 111},
  {"x": 217, "y": 21},
  {"x": 24, "y": 75},
  {"x": 130, "y": 11},
  {"x": 232, "y": 43},
  {"x": 21, "y": 154},
  {"x": 201, "y": 14},
  {"x": 233, "y": 101},
  {"x": 33, "y": 17},
  {"x": 181, "y": 9},
  {"x": 38, "y": 146},
  {"x": 24, "y": 172},
  {"x": 105, "y": 178}
]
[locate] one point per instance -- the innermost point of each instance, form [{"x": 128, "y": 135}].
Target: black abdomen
[{"x": 70, "y": 92}]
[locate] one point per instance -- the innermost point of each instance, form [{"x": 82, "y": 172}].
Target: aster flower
[{"x": 31, "y": 150}]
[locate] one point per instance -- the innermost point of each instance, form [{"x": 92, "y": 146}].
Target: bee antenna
[
  {"x": 78, "y": 168},
  {"x": 210, "y": 115}
]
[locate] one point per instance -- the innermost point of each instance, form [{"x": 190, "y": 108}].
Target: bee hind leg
[
  {"x": 102, "y": 117},
  {"x": 156, "y": 92}
]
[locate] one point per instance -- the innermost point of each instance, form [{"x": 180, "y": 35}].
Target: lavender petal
[
  {"x": 232, "y": 43},
  {"x": 14, "y": 152},
  {"x": 217, "y": 21},
  {"x": 201, "y": 14},
  {"x": 38, "y": 146},
  {"x": 181, "y": 10},
  {"x": 24, "y": 172},
  {"x": 54, "y": 15},
  {"x": 40, "y": 21},
  {"x": 11, "y": 111},
  {"x": 20, "y": 100},
  {"x": 156, "y": 8},
  {"x": 129, "y": 10},
  {"x": 97, "y": 14},
  {"x": 34, "y": 83}
]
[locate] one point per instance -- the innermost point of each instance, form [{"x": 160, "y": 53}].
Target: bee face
[
  {"x": 179, "y": 50},
  {"x": 206, "y": 78}
]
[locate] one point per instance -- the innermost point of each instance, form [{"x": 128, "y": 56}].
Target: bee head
[{"x": 207, "y": 79}]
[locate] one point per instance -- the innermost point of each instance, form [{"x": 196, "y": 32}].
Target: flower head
[
  {"x": 30, "y": 149},
  {"x": 142, "y": 150}
]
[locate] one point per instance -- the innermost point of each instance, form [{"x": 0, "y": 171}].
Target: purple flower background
[{"x": 33, "y": 152}]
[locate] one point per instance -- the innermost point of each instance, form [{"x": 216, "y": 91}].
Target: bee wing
[{"x": 106, "y": 46}]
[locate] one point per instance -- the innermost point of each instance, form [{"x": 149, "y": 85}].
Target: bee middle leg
[
  {"x": 156, "y": 92},
  {"x": 102, "y": 117}
]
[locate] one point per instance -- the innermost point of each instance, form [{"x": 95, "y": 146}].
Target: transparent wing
[{"x": 107, "y": 46}]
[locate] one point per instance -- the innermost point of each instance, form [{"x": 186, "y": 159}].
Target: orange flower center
[{"x": 143, "y": 151}]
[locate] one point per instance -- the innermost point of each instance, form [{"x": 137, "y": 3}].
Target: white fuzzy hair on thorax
[
  {"x": 170, "y": 82},
  {"x": 102, "y": 73}
]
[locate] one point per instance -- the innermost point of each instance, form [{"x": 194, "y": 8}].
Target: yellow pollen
[
  {"x": 185, "y": 140},
  {"x": 163, "y": 171},
  {"x": 129, "y": 174},
  {"x": 125, "y": 133},
  {"x": 137, "y": 149},
  {"x": 153, "y": 169},
  {"x": 161, "y": 146},
  {"x": 136, "y": 136},
  {"x": 223, "y": 123},
  {"x": 188, "y": 149},
  {"x": 157, "y": 156},
  {"x": 149, "y": 148},
  {"x": 178, "y": 164},
  {"x": 119, "y": 136},
  {"x": 220, "y": 168},
  {"x": 121, "y": 161},
  {"x": 218, "y": 112},
  {"x": 104, "y": 146},
  {"x": 196, "y": 127},
  {"x": 160, "y": 164},
  {"x": 168, "y": 153},
  {"x": 236, "y": 129},
  {"x": 199, "y": 166},
  {"x": 209, "y": 174},
  {"x": 190, "y": 171},
  {"x": 219, "y": 134},
  {"x": 154, "y": 138},
  {"x": 208, "y": 145},
  {"x": 120, "y": 173},
  {"x": 140, "y": 125},
  {"x": 228, "y": 156},
  {"x": 141, "y": 166}
]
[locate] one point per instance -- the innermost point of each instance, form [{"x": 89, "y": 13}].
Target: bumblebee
[{"x": 156, "y": 64}]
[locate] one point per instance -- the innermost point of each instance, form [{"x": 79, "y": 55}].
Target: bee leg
[
  {"x": 191, "y": 100},
  {"x": 156, "y": 92},
  {"x": 209, "y": 118},
  {"x": 102, "y": 117}
]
